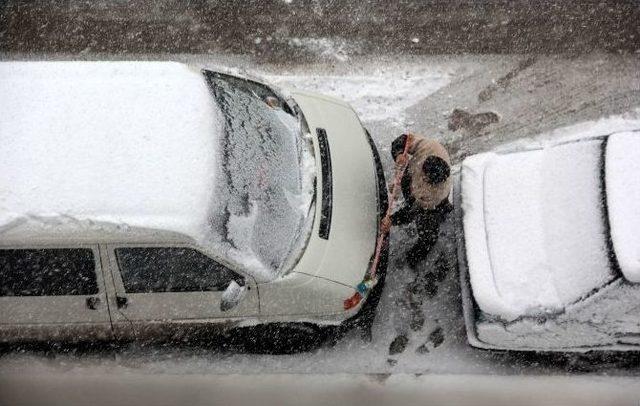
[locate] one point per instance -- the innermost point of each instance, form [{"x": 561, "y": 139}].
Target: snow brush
[{"x": 371, "y": 278}]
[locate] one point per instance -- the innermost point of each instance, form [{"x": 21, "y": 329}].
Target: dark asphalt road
[{"x": 307, "y": 29}]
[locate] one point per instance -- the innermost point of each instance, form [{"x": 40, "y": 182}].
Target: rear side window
[
  {"x": 47, "y": 272},
  {"x": 151, "y": 269}
]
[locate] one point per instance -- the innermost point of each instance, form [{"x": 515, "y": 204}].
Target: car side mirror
[{"x": 232, "y": 295}]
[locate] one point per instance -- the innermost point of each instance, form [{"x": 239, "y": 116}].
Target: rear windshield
[{"x": 266, "y": 193}]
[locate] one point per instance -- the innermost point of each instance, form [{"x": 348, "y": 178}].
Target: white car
[
  {"x": 549, "y": 246},
  {"x": 153, "y": 200}
]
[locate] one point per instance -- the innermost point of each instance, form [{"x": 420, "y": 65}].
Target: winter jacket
[{"x": 414, "y": 182}]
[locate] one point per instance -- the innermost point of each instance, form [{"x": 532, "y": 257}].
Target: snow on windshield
[{"x": 266, "y": 194}]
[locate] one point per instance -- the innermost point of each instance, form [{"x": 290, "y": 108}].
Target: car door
[
  {"x": 174, "y": 293},
  {"x": 52, "y": 293}
]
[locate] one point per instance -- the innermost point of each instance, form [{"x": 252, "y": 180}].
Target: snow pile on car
[
  {"x": 102, "y": 145},
  {"x": 534, "y": 228},
  {"x": 622, "y": 168}
]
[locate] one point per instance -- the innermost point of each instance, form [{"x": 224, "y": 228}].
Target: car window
[
  {"x": 47, "y": 272},
  {"x": 156, "y": 269}
]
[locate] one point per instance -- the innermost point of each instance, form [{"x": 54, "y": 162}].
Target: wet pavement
[{"x": 298, "y": 30}]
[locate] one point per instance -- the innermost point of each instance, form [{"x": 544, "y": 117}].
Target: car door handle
[
  {"x": 93, "y": 302},
  {"x": 122, "y": 302}
]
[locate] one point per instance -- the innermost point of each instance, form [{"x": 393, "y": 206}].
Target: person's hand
[
  {"x": 385, "y": 225},
  {"x": 401, "y": 160},
  {"x": 398, "y": 159}
]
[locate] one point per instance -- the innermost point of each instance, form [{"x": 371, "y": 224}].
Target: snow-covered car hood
[
  {"x": 622, "y": 168},
  {"x": 534, "y": 228}
]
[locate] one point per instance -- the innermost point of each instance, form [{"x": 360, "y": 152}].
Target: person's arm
[
  {"x": 397, "y": 146},
  {"x": 404, "y": 215}
]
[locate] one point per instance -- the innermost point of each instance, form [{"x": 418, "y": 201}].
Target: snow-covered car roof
[
  {"x": 535, "y": 229},
  {"x": 109, "y": 145},
  {"x": 622, "y": 174}
]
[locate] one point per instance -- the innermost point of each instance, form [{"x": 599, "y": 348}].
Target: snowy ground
[{"x": 529, "y": 95}]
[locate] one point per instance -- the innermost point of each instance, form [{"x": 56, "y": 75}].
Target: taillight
[
  {"x": 362, "y": 288},
  {"x": 352, "y": 301}
]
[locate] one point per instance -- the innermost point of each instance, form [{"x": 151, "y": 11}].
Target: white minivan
[{"x": 154, "y": 200}]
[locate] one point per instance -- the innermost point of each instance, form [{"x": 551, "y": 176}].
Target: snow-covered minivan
[
  {"x": 151, "y": 200},
  {"x": 549, "y": 245}
]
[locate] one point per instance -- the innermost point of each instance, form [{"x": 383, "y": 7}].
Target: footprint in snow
[
  {"x": 398, "y": 345},
  {"x": 436, "y": 338}
]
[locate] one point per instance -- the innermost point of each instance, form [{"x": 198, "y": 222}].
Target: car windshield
[{"x": 266, "y": 190}]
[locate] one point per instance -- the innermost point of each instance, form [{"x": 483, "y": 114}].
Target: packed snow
[
  {"x": 534, "y": 228},
  {"x": 384, "y": 95},
  {"x": 629, "y": 121},
  {"x": 88, "y": 144},
  {"x": 622, "y": 168},
  {"x": 607, "y": 318}
]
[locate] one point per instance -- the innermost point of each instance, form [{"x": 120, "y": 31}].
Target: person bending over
[{"x": 426, "y": 185}]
